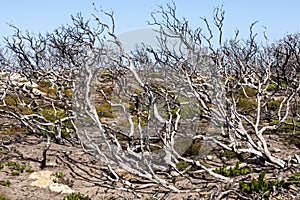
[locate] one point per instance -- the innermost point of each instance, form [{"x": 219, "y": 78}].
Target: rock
[
  {"x": 276, "y": 150},
  {"x": 61, "y": 188},
  {"x": 45, "y": 179},
  {"x": 42, "y": 182},
  {"x": 209, "y": 157},
  {"x": 41, "y": 174},
  {"x": 52, "y": 164},
  {"x": 121, "y": 172}
]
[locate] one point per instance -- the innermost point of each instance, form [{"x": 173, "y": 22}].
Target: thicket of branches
[{"x": 148, "y": 111}]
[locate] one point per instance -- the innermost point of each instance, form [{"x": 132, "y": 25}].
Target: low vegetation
[
  {"x": 233, "y": 102},
  {"x": 76, "y": 196},
  {"x": 233, "y": 171}
]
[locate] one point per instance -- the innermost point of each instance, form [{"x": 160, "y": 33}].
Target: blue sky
[{"x": 280, "y": 17}]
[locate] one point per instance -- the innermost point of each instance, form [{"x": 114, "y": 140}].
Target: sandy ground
[{"x": 82, "y": 173}]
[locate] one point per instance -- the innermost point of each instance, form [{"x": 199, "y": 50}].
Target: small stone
[
  {"x": 41, "y": 174},
  {"x": 42, "y": 183},
  {"x": 209, "y": 157},
  {"x": 121, "y": 172},
  {"x": 276, "y": 150},
  {"x": 52, "y": 164},
  {"x": 61, "y": 188}
]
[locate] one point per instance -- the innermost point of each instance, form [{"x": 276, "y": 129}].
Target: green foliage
[
  {"x": 44, "y": 83},
  {"x": 77, "y": 196},
  {"x": 53, "y": 115},
  {"x": 11, "y": 100},
  {"x": 182, "y": 165},
  {"x": 259, "y": 185},
  {"x": 233, "y": 171},
  {"x": 149, "y": 198},
  {"x": 229, "y": 154},
  {"x": 271, "y": 87},
  {"x": 15, "y": 166},
  {"x": 5, "y": 183},
  {"x": 295, "y": 177},
  {"x": 16, "y": 104},
  {"x": 108, "y": 91},
  {"x": 67, "y": 92},
  {"x": 104, "y": 110},
  {"x": 4, "y": 197},
  {"x": 59, "y": 174},
  {"x": 173, "y": 112},
  {"x": 15, "y": 173},
  {"x": 47, "y": 87},
  {"x": 274, "y": 104},
  {"x": 29, "y": 170},
  {"x": 142, "y": 120},
  {"x": 246, "y": 105},
  {"x": 250, "y": 92},
  {"x": 287, "y": 126},
  {"x": 106, "y": 74}
]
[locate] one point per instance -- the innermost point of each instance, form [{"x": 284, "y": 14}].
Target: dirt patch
[
  {"x": 78, "y": 170},
  {"x": 68, "y": 165}
]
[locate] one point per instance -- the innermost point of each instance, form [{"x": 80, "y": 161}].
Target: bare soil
[
  {"x": 80, "y": 171},
  {"x": 88, "y": 176}
]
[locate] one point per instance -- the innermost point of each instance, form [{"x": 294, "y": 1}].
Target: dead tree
[{"x": 193, "y": 89}]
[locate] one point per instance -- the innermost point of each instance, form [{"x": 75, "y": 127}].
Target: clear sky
[{"x": 280, "y": 17}]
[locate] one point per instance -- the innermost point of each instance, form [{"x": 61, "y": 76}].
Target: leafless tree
[{"x": 192, "y": 88}]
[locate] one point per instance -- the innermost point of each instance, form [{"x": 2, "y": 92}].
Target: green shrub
[
  {"x": 104, "y": 110},
  {"x": 15, "y": 166},
  {"x": 47, "y": 87},
  {"x": 29, "y": 170},
  {"x": 15, "y": 173},
  {"x": 53, "y": 115},
  {"x": 77, "y": 196},
  {"x": 142, "y": 120},
  {"x": 5, "y": 183},
  {"x": 182, "y": 165},
  {"x": 271, "y": 87},
  {"x": 233, "y": 171},
  {"x": 250, "y": 92},
  {"x": 67, "y": 92},
  {"x": 259, "y": 185},
  {"x": 274, "y": 104},
  {"x": 229, "y": 154},
  {"x": 4, "y": 197},
  {"x": 246, "y": 106},
  {"x": 59, "y": 174},
  {"x": 295, "y": 177},
  {"x": 173, "y": 112},
  {"x": 286, "y": 126},
  {"x": 13, "y": 103}
]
